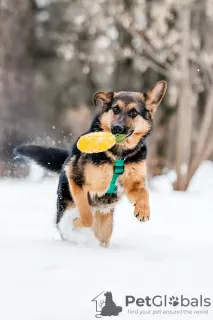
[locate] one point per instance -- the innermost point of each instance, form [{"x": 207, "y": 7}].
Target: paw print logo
[{"x": 174, "y": 301}]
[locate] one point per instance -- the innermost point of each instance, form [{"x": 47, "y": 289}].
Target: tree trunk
[
  {"x": 204, "y": 147},
  {"x": 16, "y": 73},
  {"x": 184, "y": 114}
]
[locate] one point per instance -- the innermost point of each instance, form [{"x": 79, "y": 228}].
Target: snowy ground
[{"x": 43, "y": 278}]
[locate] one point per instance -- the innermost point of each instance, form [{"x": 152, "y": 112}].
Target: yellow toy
[{"x": 96, "y": 142}]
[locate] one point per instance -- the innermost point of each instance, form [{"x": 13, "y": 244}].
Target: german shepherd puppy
[{"x": 85, "y": 178}]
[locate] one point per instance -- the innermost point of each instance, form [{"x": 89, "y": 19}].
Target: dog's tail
[{"x": 47, "y": 157}]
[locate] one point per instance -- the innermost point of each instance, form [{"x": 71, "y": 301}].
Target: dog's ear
[
  {"x": 101, "y": 98},
  {"x": 154, "y": 96}
]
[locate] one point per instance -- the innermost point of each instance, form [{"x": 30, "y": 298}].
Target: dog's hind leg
[
  {"x": 64, "y": 227},
  {"x": 64, "y": 200},
  {"x": 61, "y": 207},
  {"x": 103, "y": 226}
]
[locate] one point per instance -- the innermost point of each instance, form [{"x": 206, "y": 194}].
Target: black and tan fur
[{"x": 85, "y": 178}]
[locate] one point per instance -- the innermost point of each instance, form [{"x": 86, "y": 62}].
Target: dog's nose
[{"x": 117, "y": 129}]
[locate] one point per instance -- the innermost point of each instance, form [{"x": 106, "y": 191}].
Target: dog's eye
[
  {"x": 116, "y": 110},
  {"x": 133, "y": 113}
]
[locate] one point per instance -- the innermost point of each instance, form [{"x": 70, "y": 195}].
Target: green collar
[{"x": 117, "y": 171}]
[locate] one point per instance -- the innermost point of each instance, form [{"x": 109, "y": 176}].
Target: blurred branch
[
  {"x": 204, "y": 147},
  {"x": 147, "y": 51},
  {"x": 150, "y": 50}
]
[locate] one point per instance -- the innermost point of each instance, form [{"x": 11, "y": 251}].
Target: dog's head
[
  {"x": 129, "y": 113},
  {"x": 108, "y": 295}
]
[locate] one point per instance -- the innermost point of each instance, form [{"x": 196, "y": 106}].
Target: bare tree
[
  {"x": 184, "y": 112},
  {"x": 16, "y": 73}
]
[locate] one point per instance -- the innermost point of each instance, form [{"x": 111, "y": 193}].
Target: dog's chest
[
  {"x": 104, "y": 199},
  {"x": 98, "y": 180},
  {"x": 98, "y": 177}
]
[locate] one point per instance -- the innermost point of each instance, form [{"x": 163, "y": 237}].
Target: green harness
[{"x": 117, "y": 171}]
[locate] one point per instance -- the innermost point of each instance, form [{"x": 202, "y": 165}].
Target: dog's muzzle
[{"x": 118, "y": 129}]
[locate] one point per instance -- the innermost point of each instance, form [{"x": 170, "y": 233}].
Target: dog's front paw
[{"x": 142, "y": 211}]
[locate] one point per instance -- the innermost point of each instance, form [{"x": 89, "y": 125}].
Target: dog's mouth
[
  {"x": 129, "y": 133},
  {"x": 122, "y": 137}
]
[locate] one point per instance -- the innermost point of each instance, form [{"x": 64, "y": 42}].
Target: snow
[
  {"x": 202, "y": 181},
  {"x": 44, "y": 278}
]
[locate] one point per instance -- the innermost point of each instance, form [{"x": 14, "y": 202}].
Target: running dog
[{"x": 85, "y": 178}]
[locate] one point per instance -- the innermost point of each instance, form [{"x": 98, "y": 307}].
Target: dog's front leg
[
  {"x": 140, "y": 197},
  {"x": 81, "y": 200},
  {"x": 134, "y": 183}
]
